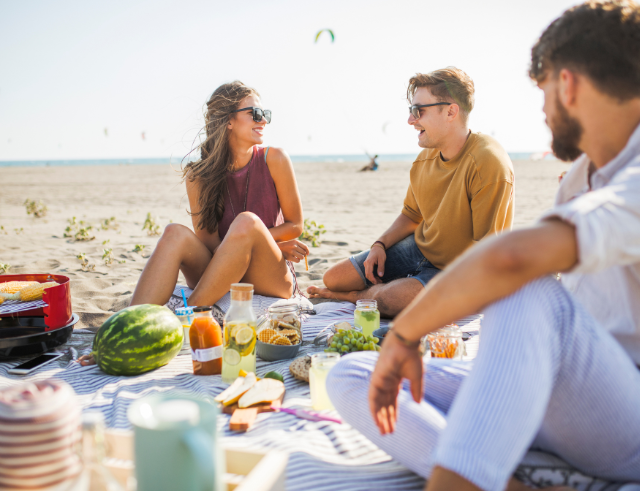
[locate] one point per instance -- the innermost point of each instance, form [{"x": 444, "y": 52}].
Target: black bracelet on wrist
[
  {"x": 384, "y": 247},
  {"x": 405, "y": 341}
]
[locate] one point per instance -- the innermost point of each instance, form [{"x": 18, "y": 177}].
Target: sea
[{"x": 409, "y": 157}]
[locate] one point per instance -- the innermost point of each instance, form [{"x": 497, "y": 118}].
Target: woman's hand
[
  {"x": 396, "y": 362},
  {"x": 293, "y": 250}
]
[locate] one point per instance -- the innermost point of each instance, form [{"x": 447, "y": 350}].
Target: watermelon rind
[{"x": 137, "y": 339}]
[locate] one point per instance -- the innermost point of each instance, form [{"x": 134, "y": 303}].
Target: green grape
[
  {"x": 366, "y": 347},
  {"x": 372, "y": 346},
  {"x": 376, "y": 340},
  {"x": 344, "y": 349},
  {"x": 334, "y": 344},
  {"x": 369, "y": 339},
  {"x": 338, "y": 345},
  {"x": 378, "y": 348},
  {"x": 359, "y": 345}
]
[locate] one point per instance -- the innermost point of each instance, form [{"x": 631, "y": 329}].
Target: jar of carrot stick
[
  {"x": 445, "y": 343},
  {"x": 205, "y": 337}
]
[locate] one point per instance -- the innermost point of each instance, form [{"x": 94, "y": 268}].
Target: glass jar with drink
[
  {"x": 239, "y": 334},
  {"x": 185, "y": 314},
  {"x": 367, "y": 316},
  {"x": 321, "y": 365},
  {"x": 205, "y": 337}
]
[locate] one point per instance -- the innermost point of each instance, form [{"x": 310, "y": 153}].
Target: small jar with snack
[
  {"x": 445, "y": 343},
  {"x": 280, "y": 337}
]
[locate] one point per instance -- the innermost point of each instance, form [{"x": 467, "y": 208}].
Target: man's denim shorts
[{"x": 404, "y": 260}]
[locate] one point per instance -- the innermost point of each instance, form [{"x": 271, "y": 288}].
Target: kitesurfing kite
[{"x": 333, "y": 37}]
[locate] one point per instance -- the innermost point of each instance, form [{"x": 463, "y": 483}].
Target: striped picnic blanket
[{"x": 322, "y": 455}]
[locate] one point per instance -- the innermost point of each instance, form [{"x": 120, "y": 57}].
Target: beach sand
[{"x": 354, "y": 207}]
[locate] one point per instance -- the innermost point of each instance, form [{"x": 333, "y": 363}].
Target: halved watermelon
[{"x": 137, "y": 339}]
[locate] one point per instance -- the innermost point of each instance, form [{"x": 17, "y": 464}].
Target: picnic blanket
[{"x": 322, "y": 455}]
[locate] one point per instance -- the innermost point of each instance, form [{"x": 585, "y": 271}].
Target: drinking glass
[{"x": 321, "y": 365}]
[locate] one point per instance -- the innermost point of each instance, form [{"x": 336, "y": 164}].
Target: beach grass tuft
[
  {"x": 110, "y": 224},
  {"x": 36, "y": 208},
  {"x": 78, "y": 230},
  {"x": 312, "y": 232},
  {"x": 151, "y": 226},
  {"x": 107, "y": 256}
]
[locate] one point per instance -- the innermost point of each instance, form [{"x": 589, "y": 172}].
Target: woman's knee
[
  {"x": 246, "y": 224},
  {"x": 175, "y": 233}
]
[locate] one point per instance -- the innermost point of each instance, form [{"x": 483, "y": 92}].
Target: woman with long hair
[{"x": 245, "y": 208}]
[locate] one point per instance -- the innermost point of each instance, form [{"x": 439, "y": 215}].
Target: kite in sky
[{"x": 333, "y": 37}]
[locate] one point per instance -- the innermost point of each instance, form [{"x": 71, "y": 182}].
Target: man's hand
[
  {"x": 377, "y": 256},
  {"x": 396, "y": 362},
  {"x": 293, "y": 250}
]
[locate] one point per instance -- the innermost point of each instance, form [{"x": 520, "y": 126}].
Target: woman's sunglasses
[
  {"x": 415, "y": 109},
  {"x": 257, "y": 113}
]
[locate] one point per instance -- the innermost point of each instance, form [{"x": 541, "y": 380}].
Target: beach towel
[{"x": 322, "y": 455}]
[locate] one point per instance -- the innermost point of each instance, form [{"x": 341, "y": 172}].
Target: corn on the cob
[
  {"x": 15, "y": 286},
  {"x": 34, "y": 292}
]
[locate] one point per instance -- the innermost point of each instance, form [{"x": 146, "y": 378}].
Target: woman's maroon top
[{"x": 261, "y": 195}]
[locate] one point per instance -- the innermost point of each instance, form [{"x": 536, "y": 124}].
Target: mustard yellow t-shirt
[{"x": 460, "y": 201}]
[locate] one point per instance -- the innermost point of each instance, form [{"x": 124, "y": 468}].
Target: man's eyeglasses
[
  {"x": 257, "y": 113},
  {"x": 415, "y": 109}
]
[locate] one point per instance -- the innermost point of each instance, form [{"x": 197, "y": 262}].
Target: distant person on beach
[
  {"x": 372, "y": 165},
  {"x": 460, "y": 191},
  {"x": 245, "y": 207},
  {"x": 557, "y": 368}
]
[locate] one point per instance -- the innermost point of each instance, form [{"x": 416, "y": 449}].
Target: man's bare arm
[
  {"x": 401, "y": 228},
  {"x": 489, "y": 271}
]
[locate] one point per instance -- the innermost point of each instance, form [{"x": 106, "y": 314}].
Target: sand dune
[{"x": 354, "y": 207}]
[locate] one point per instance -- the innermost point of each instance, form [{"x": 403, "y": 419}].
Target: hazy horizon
[{"x": 99, "y": 81}]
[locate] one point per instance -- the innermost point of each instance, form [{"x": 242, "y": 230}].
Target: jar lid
[
  {"x": 241, "y": 287},
  {"x": 184, "y": 311},
  {"x": 204, "y": 308},
  {"x": 284, "y": 308}
]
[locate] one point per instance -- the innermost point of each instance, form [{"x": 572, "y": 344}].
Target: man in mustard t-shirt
[{"x": 461, "y": 190}]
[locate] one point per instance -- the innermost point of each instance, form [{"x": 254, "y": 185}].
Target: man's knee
[
  {"x": 332, "y": 277},
  {"x": 351, "y": 372},
  {"x": 393, "y": 297},
  {"x": 544, "y": 302},
  {"x": 340, "y": 275}
]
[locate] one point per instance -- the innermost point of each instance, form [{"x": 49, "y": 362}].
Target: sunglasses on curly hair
[
  {"x": 415, "y": 109},
  {"x": 257, "y": 113}
]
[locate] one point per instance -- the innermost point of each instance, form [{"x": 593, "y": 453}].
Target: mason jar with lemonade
[{"x": 239, "y": 334}]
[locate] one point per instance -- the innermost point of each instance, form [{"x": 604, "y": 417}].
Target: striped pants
[{"x": 547, "y": 376}]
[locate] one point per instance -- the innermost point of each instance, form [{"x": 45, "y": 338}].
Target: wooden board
[
  {"x": 246, "y": 470},
  {"x": 242, "y": 419},
  {"x": 262, "y": 408}
]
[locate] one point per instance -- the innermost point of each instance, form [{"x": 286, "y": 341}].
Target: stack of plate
[{"x": 39, "y": 433}]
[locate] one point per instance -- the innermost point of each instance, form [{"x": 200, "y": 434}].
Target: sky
[{"x": 86, "y": 79}]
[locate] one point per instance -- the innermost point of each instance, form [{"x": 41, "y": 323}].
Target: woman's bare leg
[
  {"x": 249, "y": 254},
  {"x": 178, "y": 250}
]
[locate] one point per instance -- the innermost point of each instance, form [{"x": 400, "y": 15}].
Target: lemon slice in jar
[
  {"x": 246, "y": 338},
  {"x": 244, "y": 335},
  {"x": 231, "y": 357}
]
